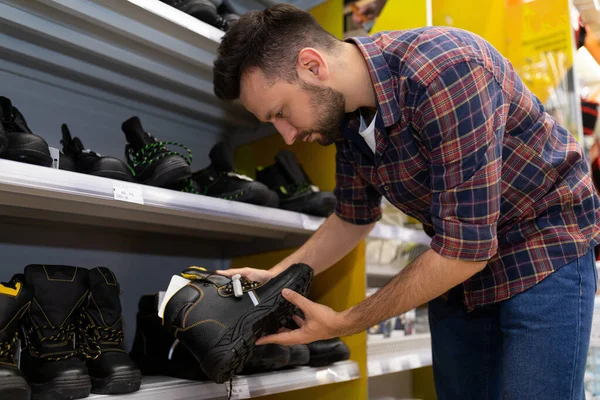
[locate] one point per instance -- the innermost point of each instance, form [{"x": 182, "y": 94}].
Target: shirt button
[{"x": 386, "y": 187}]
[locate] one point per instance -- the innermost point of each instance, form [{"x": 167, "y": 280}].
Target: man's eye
[{"x": 279, "y": 114}]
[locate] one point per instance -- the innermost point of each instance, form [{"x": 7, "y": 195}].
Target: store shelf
[
  {"x": 160, "y": 388},
  {"x": 382, "y": 231},
  {"x": 382, "y": 271},
  {"x": 390, "y": 355},
  {"x": 143, "y": 50},
  {"x": 34, "y": 193}
]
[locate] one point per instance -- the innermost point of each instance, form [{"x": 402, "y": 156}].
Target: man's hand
[
  {"x": 256, "y": 275},
  {"x": 319, "y": 323}
]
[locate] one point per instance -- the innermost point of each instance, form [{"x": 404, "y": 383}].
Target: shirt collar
[{"x": 381, "y": 76}]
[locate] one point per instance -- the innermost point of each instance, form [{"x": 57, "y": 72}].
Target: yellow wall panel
[{"x": 401, "y": 14}]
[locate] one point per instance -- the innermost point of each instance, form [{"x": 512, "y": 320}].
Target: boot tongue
[
  {"x": 221, "y": 157},
  {"x": 59, "y": 291},
  {"x": 135, "y": 134},
  {"x": 11, "y": 117},
  {"x": 289, "y": 166},
  {"x": 105, "y": 304},
  {"x": 198, "y": 273}
]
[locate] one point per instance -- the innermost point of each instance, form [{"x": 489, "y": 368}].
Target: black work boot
[
  {"x": 326, "y": 352},
  {"x": 218, "y": 327},
  {"x": 204, "y": 10},
  {"x": 151, "y": 161},
  {"x": 266, "y": 358},
  {"x": 49, "y": 356},
  {"x": 88, "y": 162},
  {"x": 156, "y": 350},
  {"x": 101, "y": 342},
  {"x": 295, "y": 190},
  {"x": 22, "y": 144},
  {"x": 3, "y": 139},
  {"x": 220, "y": 180},
  {"x": 15, "y": 298}
]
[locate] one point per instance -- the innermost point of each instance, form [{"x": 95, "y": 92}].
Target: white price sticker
[
  {"x": 130, "y": 193},
  {"x": 414, "y": 361},
  {"x": 396, "y": 364},
  {"x": 374, "y": 368},
  {"x": 311, "y": 223},
  {"x": 239, "y": 389}
]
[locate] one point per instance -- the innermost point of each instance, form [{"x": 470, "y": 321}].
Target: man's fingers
[
  {"x": 231, "y": 272},
  {"x": 285, "y": 338},
  {"x": 299, "y": 321},
  {"x": 298, "y": 300}
]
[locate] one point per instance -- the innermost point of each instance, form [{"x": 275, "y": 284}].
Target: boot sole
[
  {"x": 118, "y": 383},
  {"x": 27, "y": 148},
  {"x": 170, "y": 172},
  {"x": 3, "y": 142},
  {"x": 14, "y": 388},
  {"x": 62, "y": 388},
  {"x": 233, "y": 350},
  {"x": 110, "y": 168}
]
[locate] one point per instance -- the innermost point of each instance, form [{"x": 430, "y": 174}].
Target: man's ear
[{"x": 312, "y": 65}]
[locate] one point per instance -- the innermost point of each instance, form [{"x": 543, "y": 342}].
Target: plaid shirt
[{"x": 464, "y": 147}]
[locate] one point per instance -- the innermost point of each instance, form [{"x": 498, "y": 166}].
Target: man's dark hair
[{"x": 269, "y": 40}]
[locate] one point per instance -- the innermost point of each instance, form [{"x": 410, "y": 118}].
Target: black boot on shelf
[
  {"x": 22, "y": 145},
  {"x": 295, "y": 190},
  {"x": 299, "y": 355},
  {"x": 65, "y": 162},
  {"x": 220, "y": 180},
  {"x": 101, "y": 338},
  {"x": 3, "y": 139},
  {"x": 88, "y": 162},
  {"x": 266, "y": 358},
  {"x": 151, "y": 161},
  {"x": 49, "y": 357},
  {"x": 233, "y": 316},
  {"x": 156, "y": 350},
  {"x": 327, "y": 352},
  {"x": 204, "y": 10},
  {"x": 15, "y": 298}
]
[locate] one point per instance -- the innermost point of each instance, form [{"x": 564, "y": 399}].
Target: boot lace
[
  {"x": 65, "y": 333},
  {"x": 90, "y": 335},
  {"x": 6, "y": 349},
  {"x": 154, "y": 152}
]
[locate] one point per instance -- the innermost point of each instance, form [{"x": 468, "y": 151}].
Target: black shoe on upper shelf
[
  {"x": 111, "y": 369},
  {"x": 220, "y": 180},
  {"x": 49, "y": 358},
  {"x": 155, "y": 349},
  {"x": 295, "y": 190},
  {"x": 3, "y": 139},
  {"x": 221, "y": 330},
  {"x": 15, "y": 298},
  {"x": 266, "y": 358},
  {"x": 21, "y": 144},
  {"x": 204, "y": 10},
  {"x": 327, "y": 352},
  {"x": 151, "y": 161},
  {"x": 88, "y": 162}
]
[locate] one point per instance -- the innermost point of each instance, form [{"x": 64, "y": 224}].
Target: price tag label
[
  {"x": 311, "y": 223},
  {"x": 374, "y": 368},
  {"x": 396, "y": 364},
  {"x": 414, "y": 361},
  {"x": 129, "y": 193},
  {"x": 239, "y": 389}
]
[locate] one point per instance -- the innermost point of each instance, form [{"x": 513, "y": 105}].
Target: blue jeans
[{"x": 532, "y": 346}]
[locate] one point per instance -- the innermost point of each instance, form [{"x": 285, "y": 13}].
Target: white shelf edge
[
  {"x": 383, "y": 231},
  {"x": 160, "y": 388},
  {"x": 398, "y": 354},
  {"x": 180, "y": 18},
  {"x": 382, "y": 271}
]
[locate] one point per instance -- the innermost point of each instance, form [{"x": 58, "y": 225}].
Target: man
[{"x": 438, "y": 122}]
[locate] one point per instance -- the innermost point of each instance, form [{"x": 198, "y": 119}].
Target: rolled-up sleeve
[
  {"x": 461, "y": 119},
  {"x": 357, "y": 201}
]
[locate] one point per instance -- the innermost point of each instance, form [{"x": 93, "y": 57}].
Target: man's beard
[{"x": 329, "y": 108}]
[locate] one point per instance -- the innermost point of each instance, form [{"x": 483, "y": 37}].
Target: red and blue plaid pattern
[{"x": 464, "y": 147}]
